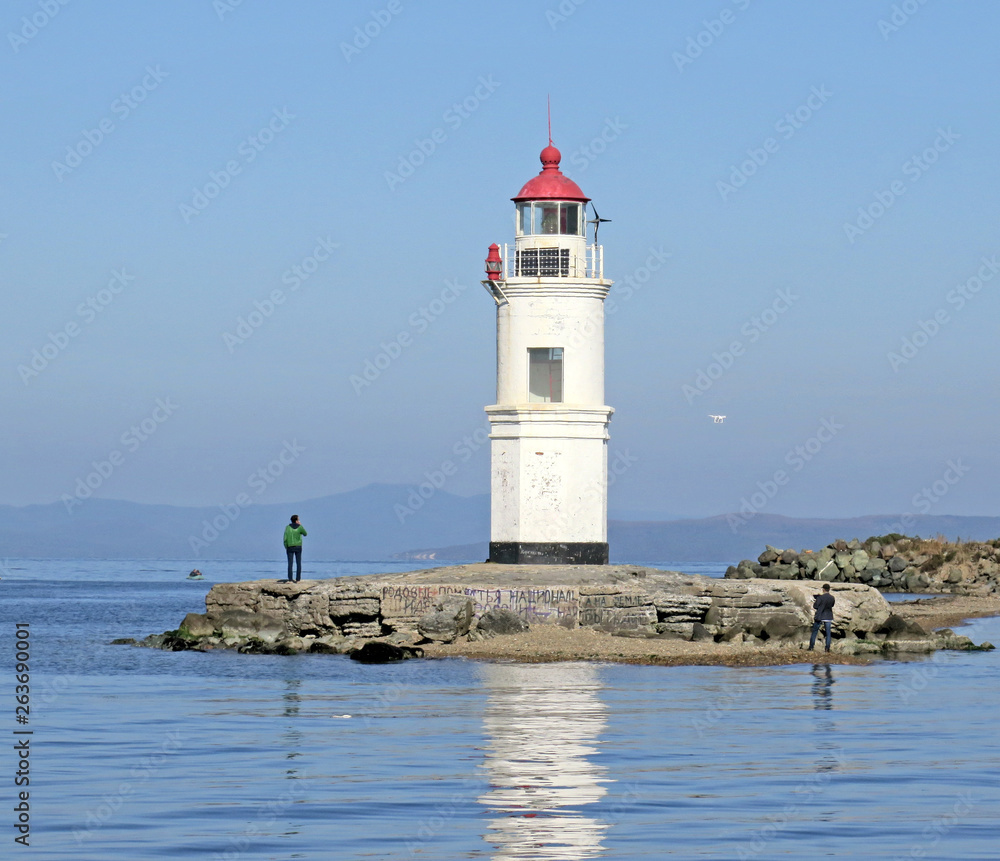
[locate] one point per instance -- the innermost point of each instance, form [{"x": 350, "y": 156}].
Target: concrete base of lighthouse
[
  {"x": 549, "y": 553},
  {"x": 549, "y": 484}
]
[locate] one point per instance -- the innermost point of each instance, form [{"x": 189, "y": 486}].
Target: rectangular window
[{"x": 545, "y": 375}]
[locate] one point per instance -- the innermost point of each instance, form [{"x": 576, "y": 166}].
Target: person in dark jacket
[
  {"x": 823, "y": 605},
  {"x": 293, "y": 547}
]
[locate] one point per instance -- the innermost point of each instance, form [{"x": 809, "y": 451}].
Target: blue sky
[{"x": 822, "y": 175}]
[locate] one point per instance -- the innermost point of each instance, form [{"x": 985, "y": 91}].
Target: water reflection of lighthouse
[{"x": 543, "y": 723}]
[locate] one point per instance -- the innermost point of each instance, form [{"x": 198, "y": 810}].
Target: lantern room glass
[{"x": 550, "y": 217}]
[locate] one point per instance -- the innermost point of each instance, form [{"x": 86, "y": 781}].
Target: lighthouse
[{"x": 549, "y": 425}]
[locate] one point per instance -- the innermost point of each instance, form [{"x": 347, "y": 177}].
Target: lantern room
[
  {"x": 546, "y": 217},
  {"x": 551, "y": 234}
]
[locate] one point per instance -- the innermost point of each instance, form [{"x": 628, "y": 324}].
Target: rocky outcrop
[
  {"x": 497, "y": 622},
  {"x": 450, "y": 619},
  {"x": 475, "y": 602},
  {"x": 377, "y": 652},
  {"x": 891, "y": 564}
]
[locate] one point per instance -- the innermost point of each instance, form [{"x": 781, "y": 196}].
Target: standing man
[
  {"x": 293, "y": 547},
  {"x": 822, "y": 604}
]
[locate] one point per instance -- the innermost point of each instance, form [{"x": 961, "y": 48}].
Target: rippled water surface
[{"x": 141, "y": 754}]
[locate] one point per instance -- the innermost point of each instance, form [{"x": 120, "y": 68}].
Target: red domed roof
[{"x": 551, "y": 183}]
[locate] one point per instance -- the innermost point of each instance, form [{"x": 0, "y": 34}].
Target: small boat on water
[{"x": 196, "y": 575}]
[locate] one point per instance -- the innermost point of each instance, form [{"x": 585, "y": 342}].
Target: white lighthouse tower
[{"x": 549, "y": 426}]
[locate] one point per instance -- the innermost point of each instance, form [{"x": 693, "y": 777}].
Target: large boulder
[
  {"x": 498, "y": 622},
  {"x": 857, "y": 608},
  {"x": 378, "y": 652},
  {"x": 197, "y": 625},
  {"x": 267, "y": 627},
  {"x": 450, "y": 619},
  {"x": 785, "y": 626},
  {"x": 768, "y": 556}
]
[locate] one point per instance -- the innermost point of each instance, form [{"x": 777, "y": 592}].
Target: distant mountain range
[
  {"x": 383, "y": 522},
  {"x": 711, "y": 539},
  {"x": 373, "y": 523}
]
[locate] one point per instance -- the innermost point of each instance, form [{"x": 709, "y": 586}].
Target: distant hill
[
  {"x": 711, "y": 539},
  {"x": 383, "y": 521},
  {"x": 372, "y": 523}
]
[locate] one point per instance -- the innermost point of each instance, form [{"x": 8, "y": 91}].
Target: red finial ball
[{"x": 550, "y": 157}]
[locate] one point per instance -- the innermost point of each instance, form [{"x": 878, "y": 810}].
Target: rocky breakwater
[
  {"x": 470, "y": 603},
  {"x": 891, "y": 563}
]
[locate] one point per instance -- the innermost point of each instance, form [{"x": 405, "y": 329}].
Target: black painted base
[{"x": 538, "y": 553}]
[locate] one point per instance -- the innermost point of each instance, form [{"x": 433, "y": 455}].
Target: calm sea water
[{"x": 141, "y": 754}]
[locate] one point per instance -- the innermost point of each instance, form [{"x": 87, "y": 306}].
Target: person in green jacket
[{"x": 293, "y": 547}]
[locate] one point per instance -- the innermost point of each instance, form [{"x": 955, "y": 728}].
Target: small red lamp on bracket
[{"x": 494, "y": 265}]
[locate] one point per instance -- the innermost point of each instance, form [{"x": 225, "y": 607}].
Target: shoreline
[
  {"x": 949, "y": 611},
  {"x": 625, "y": 614},
  {"x": 551, "y": 644}
]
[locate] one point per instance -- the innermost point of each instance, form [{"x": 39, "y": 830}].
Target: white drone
[{"x": 717, "y": 419}]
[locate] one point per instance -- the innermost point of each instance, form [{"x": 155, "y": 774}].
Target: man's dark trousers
[{"x": 296, "y": 554}]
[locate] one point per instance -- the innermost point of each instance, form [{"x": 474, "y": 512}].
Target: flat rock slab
[
  {"x": 618, "y": 603},
  {"x": 612, "y": 598}
]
